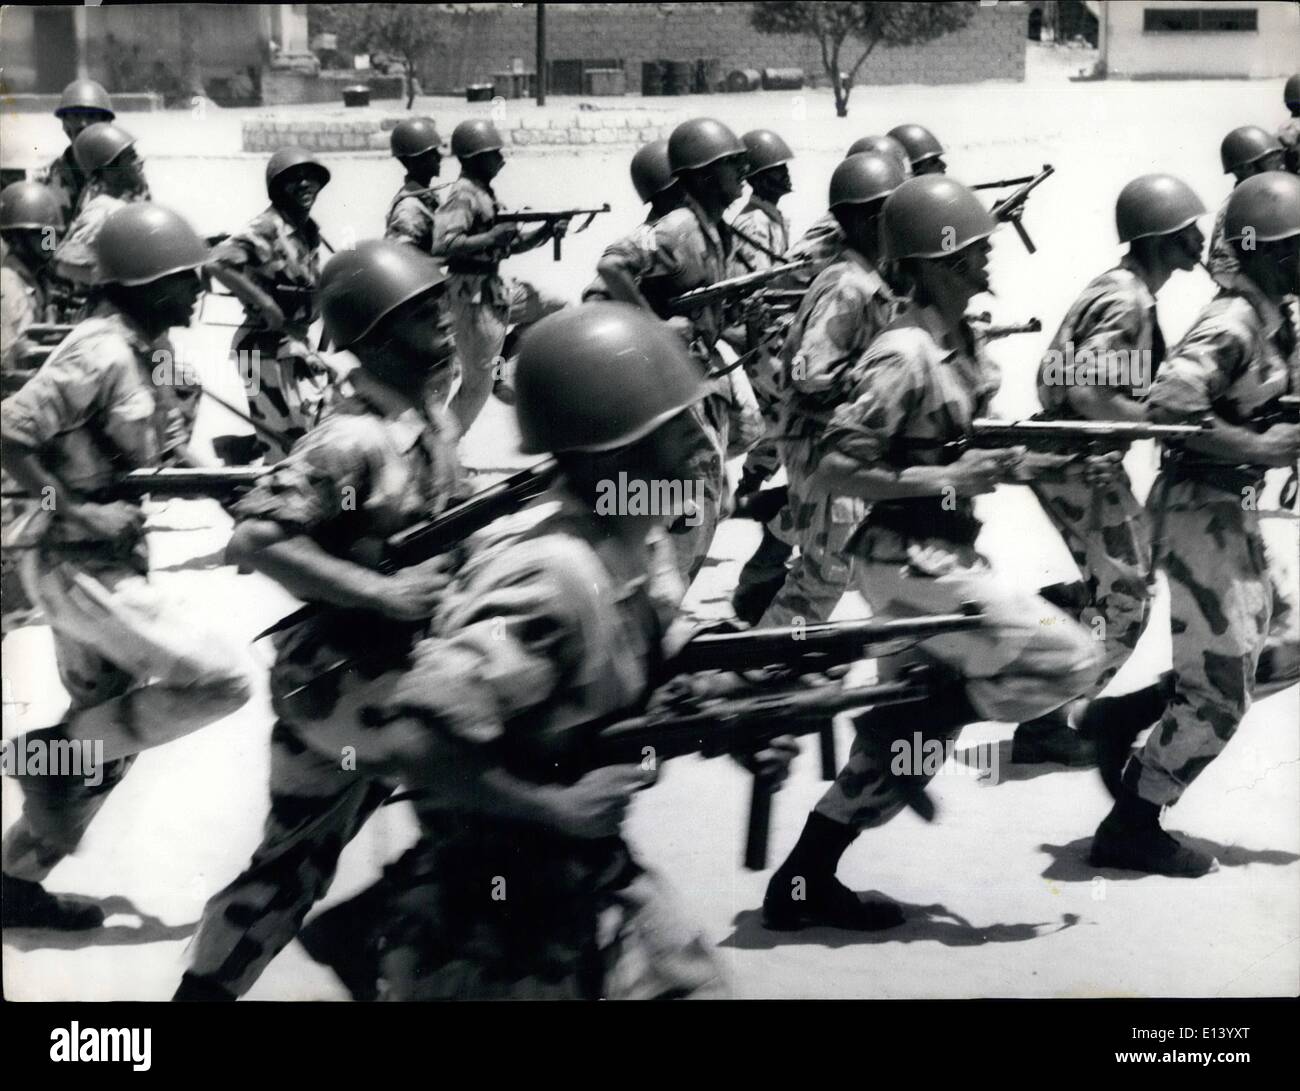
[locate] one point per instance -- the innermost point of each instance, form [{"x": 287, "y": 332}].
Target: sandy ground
[{"x": 1002, "y": 901}]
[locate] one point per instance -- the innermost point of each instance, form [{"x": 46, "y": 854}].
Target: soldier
[
  {"x": 847, "y": 305},
  {"x": 762, "y": 238},
  {"x": 919, "y": 385},
  {"x": 383, "y": 459},
  {"x": 1112, "y": 339},
  {"x": 924, "y": 152},
  {"x": 1245, "y": 152},
  {"x": 467, "y": 236},
  {"x": 690, "y": 248},
  {"x": 824, "y": 241},
  {"x": 1288, "y": 133},
  {"x": 1238, "y": 357},
  {"x": 139, "y": 673},
  {"x": 553, "y": 623},
  {"x": 83, "y": 103},
  {"x": 418, "y": 147},
  {"x": 29, "y": 227},
  {"x": 658, "y": 187},
  {"x": 114, "y": 177},
  {"x": 273, "y": 267}
]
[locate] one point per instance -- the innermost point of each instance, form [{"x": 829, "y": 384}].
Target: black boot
[
  {"x": 1130, "y": 838},
  {"x": 194, "y": 988},
  {"x": 804, "y": 891},
  {"x": 754, "y": 590},
  {"x": 24, "y": 904},
  {"x": 346, "y": 939},
  {"x": 1050, "y": 739},
  {"x": 1114, "y": 723}
]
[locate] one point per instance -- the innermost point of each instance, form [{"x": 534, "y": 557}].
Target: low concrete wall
[
  {"x": 124, "y": 102},
  {"x": 359, "y": 130}
]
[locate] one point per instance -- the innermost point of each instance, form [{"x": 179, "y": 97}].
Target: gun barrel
[
  {"x": 1003, "y": 183},
  {"x": 1015, "y": 432},
  {"x": 183, "y": 482},
  {"x": 732, "y": 288},
  {"x": 828, "y": 643}
]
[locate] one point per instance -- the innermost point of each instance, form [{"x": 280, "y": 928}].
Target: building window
[{"x": 1204, "y": 20}]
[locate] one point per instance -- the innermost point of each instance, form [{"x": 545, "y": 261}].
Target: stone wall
[{"x": 472, "y": 45}]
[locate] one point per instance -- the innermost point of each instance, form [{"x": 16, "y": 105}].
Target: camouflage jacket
[
  {"x": 280, "y": 259},
  {"x": 410, "y": 216},
  {"x": 74, "y": 257},
  {"x": 822, "y": 244},
  {"x": 846, "y": 307},
  {"x": 918, "y": 386},
  {"x": 1288, "y": 135},
  {"x": 66, "y": 180},
  {"x": 374, "y": 466},
  {"x": 1109, "y": 337},
  {"x": 107, "y": 400},
  {"x": 761, "y": 221},
  {"x": 22, "y": 302},
  {"x": 1238, "y": 357},
  {"x": 1223, "y": 263},
  {"x": 468, "y": 207}
]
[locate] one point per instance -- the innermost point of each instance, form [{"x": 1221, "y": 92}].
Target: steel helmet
[
  {"x": 882, "y": 145},
  {"x": 696, "y": 143},
  {"x": 414, "y": 136},
  {"x": 85, "y": 96},
  {"x": 1267, "y": 205},
  {"x": 651, "y": 174},
  {"x": 1155, "y": 204},
  {"x": 1245, "y": 145},
  {"x": 764, "y": 149},
  {"x": 475, "y": 137},
  {"x": 360, "y": 286},
  {"x": 29, "y": 204},
  {"x": 97, "y": 145},
  {"x": 1291, "y": 95},
  {"x": 919, "y": 143},
  {"x": 866, "y": 176},
  {"x": 143, "y": 242},
  {"x": 933, "y": 216},
  {"x": 599, "y": 376},
  {"x": 287, "y": 159}
]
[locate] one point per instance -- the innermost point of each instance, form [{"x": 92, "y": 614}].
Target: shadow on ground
[
  {"x": 149, "y": 930},
  {"x": 934, "y": 923},
  {"x": 979, "y": 757},
  {"x": 1070, "y": 862}
]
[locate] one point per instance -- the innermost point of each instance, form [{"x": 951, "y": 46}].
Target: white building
[{"x": 1184, "y": 38}]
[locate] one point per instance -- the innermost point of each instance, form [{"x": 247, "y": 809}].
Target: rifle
[
  {"x": 724, "y": 291},
  {"x": 421, "y": 542},
  {"x": 1008, "y": 209},
  {"x": 995, "y": 333},
  {"x": 221, "y": 483},
  {"x": 1003, "y": 183},
  {"x": 1067, "y": 437},
  {"x": 557, "y": 221}
]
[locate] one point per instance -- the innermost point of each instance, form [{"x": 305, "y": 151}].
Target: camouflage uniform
[
  {"x": 483, "y": 304},
  {"x": 679, "y": 252},
  {"x": 1106, "y": 529},
  {"x": 822, "y": 243},
  {"x": 66, "y": 180},
  {"x": 1288, "y": 135},
  {"x": 292, "y": 387},
  {"x": 846, "y": 307},
  {"x": 74, "y": 257},
  {"x": 1223, "y": 264},
  {"x": 139, "y": 671},
  {"x": 762, "y": 222},
  {"x": 410, "y": 216},
  {"x": 373, "y": 467},
  {"x": 1238, "y": 356},
  {"x": 918, "y": 556},
  {"x": 550, "y": 625}
]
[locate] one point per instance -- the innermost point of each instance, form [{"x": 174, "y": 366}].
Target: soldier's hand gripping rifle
[
  {"x": 558, "y": 221},
  {"x": 758, "y": 708},
  {"x": 1286, "y": 410},
  {"x": 990, "y": 332},
  {"x": 1009, "y": 209}
]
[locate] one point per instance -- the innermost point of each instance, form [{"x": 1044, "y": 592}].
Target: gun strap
[{"x": 778, "y": 258}]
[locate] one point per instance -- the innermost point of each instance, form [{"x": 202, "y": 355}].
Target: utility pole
[{"x": 541, "y": 54}]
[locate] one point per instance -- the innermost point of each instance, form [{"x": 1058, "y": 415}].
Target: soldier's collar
[
  {"x": 1269, "y": 312},
  {"x": 1129, "y": 264},
  {"x": 409, "y": 418},
  {"x": 766, "y": 207},
  {"x": 712, "y": 231}
]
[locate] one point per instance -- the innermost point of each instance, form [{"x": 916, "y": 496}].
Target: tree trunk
[{"x": 837, "y": 83}]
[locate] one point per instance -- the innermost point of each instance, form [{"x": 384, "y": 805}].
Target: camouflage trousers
[
  {"x": 821, "y": 571},
  {"x": 1109, "y": 536},
  {"x": 764, "y": 459},
  {"x": 139, "y": 673},
  {"x": 317, "y": 807},
  {"x": 1210, "y": 546},
  {"x": 706, "y": 470},
  {"x": 1028, "y": 659},
  {"x": 293, "y": 389},
  {"x": 482, "y": 310}
]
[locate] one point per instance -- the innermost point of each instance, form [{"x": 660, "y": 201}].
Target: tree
[
  {"x": 404, "y": 30},
  {"x": 870, "y": 24}
]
